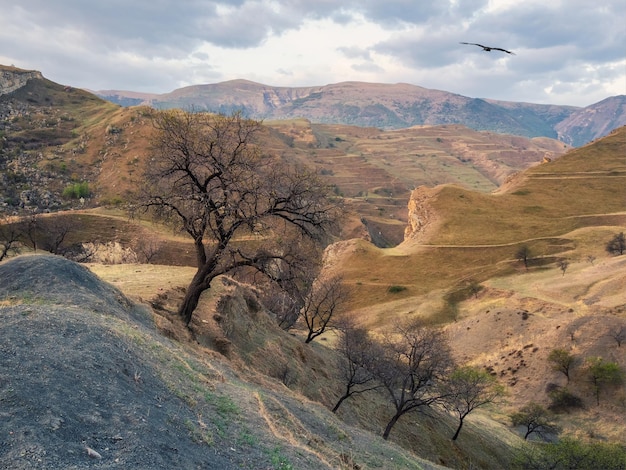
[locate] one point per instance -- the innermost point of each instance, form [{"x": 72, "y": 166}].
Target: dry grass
[{"x": 559, "y": 216}]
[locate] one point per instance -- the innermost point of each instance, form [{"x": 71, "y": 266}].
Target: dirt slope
[{"x": 516, "y": 321}]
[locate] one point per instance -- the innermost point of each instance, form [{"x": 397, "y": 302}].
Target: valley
[{"x": 434, "y": 219}]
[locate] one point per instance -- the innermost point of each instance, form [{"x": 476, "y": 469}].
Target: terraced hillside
[
  {"x": 469, "y": 234},
  {"x": 64, "y": 148}
]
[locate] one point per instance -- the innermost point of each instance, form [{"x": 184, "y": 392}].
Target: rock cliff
[
  {"x": 12, "y": 78},
  {"x": 421, "y": 215}
]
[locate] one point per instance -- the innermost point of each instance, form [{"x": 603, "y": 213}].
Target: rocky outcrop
[
  {"x": 422, "y": 217},
  {"x": 12, "y": 79}
]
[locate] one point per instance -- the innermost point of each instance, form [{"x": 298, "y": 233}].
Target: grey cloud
[
  {"x": 369, "y": 67},
  {"x": 595, "y": 29},
  {"x": 423, "y": 51},
  {"x": 355, "y": 52}
]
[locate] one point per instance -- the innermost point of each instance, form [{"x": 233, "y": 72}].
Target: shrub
[
  {"x": 563, "y": 400},
  {"x": 76, "y": 190},
  {"x": 617, "y": 244},
  {"x": 569, "y": 453},
  {"x": 395, "y": 289}
]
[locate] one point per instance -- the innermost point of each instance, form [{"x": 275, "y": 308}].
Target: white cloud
[{"x": 568, "y": 52}]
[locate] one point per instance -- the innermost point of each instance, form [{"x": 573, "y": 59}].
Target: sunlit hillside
[{"x": 475, "y": 236}]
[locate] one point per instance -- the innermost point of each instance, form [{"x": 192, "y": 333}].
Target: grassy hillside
[
  {"x": 55, "y": 137},
  {"x": 476, "y": 236},
  {"x": 238, "y": 382},
  {"x": 117, "y": 385}
]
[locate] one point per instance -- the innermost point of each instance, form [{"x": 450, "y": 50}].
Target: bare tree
[
  {"x": 523, "y": 254},
  {"x": 283, "y": 304},
  {"x": 572, "y": 334},
  {"x": 82, "y": 252},
  {"x": 54, "y": 232},
  {"x": 535, "y": 419},
  {"x": 321, "y": 304},
  {"x": 358, "y": 353},
  {"x": 619, "y": 335},
  {"x": 591, "y": 259},
  {"x": 562, "y": 361},
  {"x": 469, "y": 388},
  {"x": 412, "y": 366},
  {"x": 474, "y": 287},
  {"x": 148, "y": 247},
  {"x": 208, "y": 177},
  {"x": 10, "y": 235},
  {"x": 32, "y": 229},
  {"x": 563, "y": 265}
]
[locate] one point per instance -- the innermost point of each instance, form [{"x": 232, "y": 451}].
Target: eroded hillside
[{"x": 64, "y": 148}]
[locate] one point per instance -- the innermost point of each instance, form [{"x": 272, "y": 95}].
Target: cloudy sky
[{"x": 567, "y": 51}]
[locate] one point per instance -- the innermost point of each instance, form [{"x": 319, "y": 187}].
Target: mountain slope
[
  {"x": 55, "y": 137},
  {"x": 387, "y": 106},
  {"x": 354, "y": 103},
  {"x": 597, "y": 120}
]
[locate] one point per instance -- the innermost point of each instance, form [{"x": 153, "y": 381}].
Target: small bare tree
[
  {"x": 563, "y": 265},
  {"x": 10, "y": 235},
  {"x": 523, "y": 254},
  {"x": 32, "y": 229},
  {"x": 535, "y": 419},
  {"x": 358, "y": 352},
  {"x": 619, "y": 335},
  {"x": 148, "y": 248},
  {"x": 321, "y": 304},
  {"x": 284, "y": 305},
  {"x": 54, "y": 232},
  {"x": 617, "y": 244},
  {"x": 412, "y": 367}
]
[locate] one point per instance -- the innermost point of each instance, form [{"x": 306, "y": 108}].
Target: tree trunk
[
  {"x": 391, "y": 424},
  {"x": 334, "y": 410},
  {"x": 200, "y": 252},
  {"x": 458, "y": 430},
  {"x": 190, "y": 302},
  {"x": 200, "y": 282},
  {"x": 346, "y": 395}
]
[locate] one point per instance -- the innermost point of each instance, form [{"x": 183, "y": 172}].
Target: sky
[{"x": 567, "y": 52}]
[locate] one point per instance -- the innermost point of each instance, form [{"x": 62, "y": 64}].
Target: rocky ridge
[{"x": 12, "y": 79}]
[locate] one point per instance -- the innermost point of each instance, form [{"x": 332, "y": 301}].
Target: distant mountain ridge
[{"x": 389, "y": 106}]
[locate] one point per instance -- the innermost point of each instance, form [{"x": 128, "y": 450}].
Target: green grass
[{"x": 279, "y": 461}]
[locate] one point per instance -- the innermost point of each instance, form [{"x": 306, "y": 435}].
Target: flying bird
[{"x": 488, "y": 48}]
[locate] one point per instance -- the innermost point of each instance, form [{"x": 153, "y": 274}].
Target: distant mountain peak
[{"x": 389, "y": 106}]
